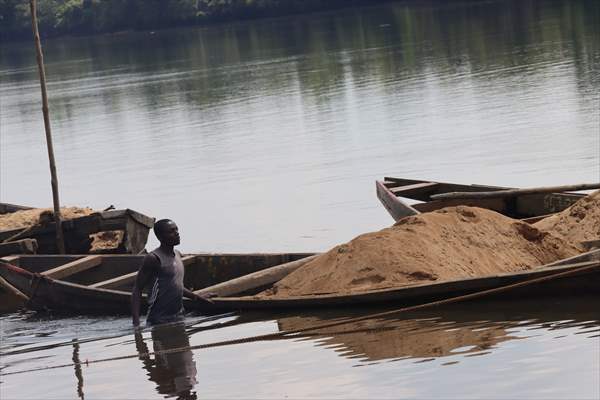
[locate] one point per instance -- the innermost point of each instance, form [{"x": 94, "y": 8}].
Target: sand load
[
  {"x": 576, "y": 224},
  {"x": 35, "y": 216},
  {"x": 100, "y": 242},
  {"x": 448, "y": 244}
]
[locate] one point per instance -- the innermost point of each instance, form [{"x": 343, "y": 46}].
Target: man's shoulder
[{"x": 151, "y": 259}]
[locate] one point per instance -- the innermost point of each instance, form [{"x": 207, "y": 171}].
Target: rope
[{"x": 579, "y": 268}]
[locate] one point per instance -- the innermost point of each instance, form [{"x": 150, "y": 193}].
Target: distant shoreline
[{"x": 92, "y": 17}]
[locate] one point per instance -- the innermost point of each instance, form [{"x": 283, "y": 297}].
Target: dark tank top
[{"x": 166, "y": 298}]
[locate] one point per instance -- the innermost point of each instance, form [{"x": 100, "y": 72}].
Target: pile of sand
[
  {"x": 578, "y": 223},
  {"x": 35, "y": 216},
  {"x": 101, "y": 242},
  {"x": 452, "y": 243},
  {"x": 106, "y": 241}
]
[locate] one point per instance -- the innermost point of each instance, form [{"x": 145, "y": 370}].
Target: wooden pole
[
  {"x": 514, "y": 192},
  {"x": 60, "y": 243}
]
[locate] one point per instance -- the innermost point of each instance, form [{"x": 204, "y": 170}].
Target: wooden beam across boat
[
  {"x": 256, "y": 280},
  {"x": 74, "y": 267},
  {"x": 514, "y": 192}
]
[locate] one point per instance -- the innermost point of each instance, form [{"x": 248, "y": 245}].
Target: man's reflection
[{"x": 173, "y": 372}]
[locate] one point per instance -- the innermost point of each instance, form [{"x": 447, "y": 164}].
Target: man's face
[{"x": 170, "y": 234}]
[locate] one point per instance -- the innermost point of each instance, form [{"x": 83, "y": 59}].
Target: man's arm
[
  {"x": 146, "y": 273},
  {"x": 191, "y": 295}
]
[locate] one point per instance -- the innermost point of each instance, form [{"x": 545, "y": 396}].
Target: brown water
[{"x": 268, "y": 136}]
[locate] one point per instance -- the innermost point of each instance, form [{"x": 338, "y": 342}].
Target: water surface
[{"x": 268, "y": 136}]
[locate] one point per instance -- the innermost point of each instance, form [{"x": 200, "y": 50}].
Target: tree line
[{"x": 88, "y": 17}]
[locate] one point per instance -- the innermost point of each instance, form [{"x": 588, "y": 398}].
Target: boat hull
[
  {"x": 393, "y": 192},
  {"x": 45, "y": 293}
]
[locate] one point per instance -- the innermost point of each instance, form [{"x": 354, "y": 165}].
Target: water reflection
[
  {"x": 468, "y": 330},
  {"x": 77, "y": 366},
  {"x": 173, "y": 372}
]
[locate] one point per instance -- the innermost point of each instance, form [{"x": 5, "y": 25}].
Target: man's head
[{"x": 167, "y": 232}]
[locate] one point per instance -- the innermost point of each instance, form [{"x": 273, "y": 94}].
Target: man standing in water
[{"x": 164, "y": 269}]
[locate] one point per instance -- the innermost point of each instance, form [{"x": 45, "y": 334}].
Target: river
[{"x": 268, "y": 135}]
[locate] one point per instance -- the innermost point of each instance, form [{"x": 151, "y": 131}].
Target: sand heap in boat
[
  {"x": 101, "y": 241},
  {"x": 448, "y": 244},
  {"x": 578, "y": 223},
  {"x": 35, "y": 216}
]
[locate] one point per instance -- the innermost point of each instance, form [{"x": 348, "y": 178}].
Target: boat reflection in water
[
  {"x": 173, "y": 372},
  {"x": 468, "y": 329}
]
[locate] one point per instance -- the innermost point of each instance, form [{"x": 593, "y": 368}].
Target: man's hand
[{"x": 205, "y": 297}]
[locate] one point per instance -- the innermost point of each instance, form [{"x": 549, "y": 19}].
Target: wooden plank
[
  {"x": 390, "y": 185},
  {"x": 24, "y": 246},
  {"x": 10, "y": 259},
  {"x": 116, "y": 282},
  {"x": 402, "y": 181},
  {"x": 418, "y": 191},
  {"x": 256, "y": 279},
  {"x": 130, "y": 278},
  {"x": 11, "y": 289},
  {"x": 73, "y": 267},
  {"x": 515, "y": 192}
]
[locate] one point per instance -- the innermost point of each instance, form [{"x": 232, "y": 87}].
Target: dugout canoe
[
  {"x": 574, "y": 285},
  {"x": 102, "y": 284},
  {"x": 396, "y": 194},
  {"x": 105, "y": 287},
  {"x": 134, "y": 226}
]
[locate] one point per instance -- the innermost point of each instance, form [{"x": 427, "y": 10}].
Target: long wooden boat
[
  {"x": 586, "y": 282},
  {"x": 394, "y": 192},
  {"x": 103, "y": 285},
  {"x": 134, "y": 225}
]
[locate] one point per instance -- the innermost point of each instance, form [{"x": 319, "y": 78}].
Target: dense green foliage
[{"x": 84, "y": 17}]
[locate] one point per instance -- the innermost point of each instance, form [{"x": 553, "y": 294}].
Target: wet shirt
[{"x": 166, "y": 297}]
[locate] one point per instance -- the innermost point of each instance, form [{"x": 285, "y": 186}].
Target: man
[{"x": 164, "y": 269}]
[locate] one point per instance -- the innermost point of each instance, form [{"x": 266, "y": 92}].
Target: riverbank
[{"x": 90, "y": 17}]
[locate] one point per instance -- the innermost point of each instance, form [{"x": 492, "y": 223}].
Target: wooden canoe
[
  {"x": 586, "y": 282},
  {"x": 101, "y": 284},
  {"x": 394, "y": 192},
  {"x": 77, "y": 231},
  {"x": 81, "y": 292}
]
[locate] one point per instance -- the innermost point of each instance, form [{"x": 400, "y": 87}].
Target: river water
[{"x": 268, "y": 135}]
